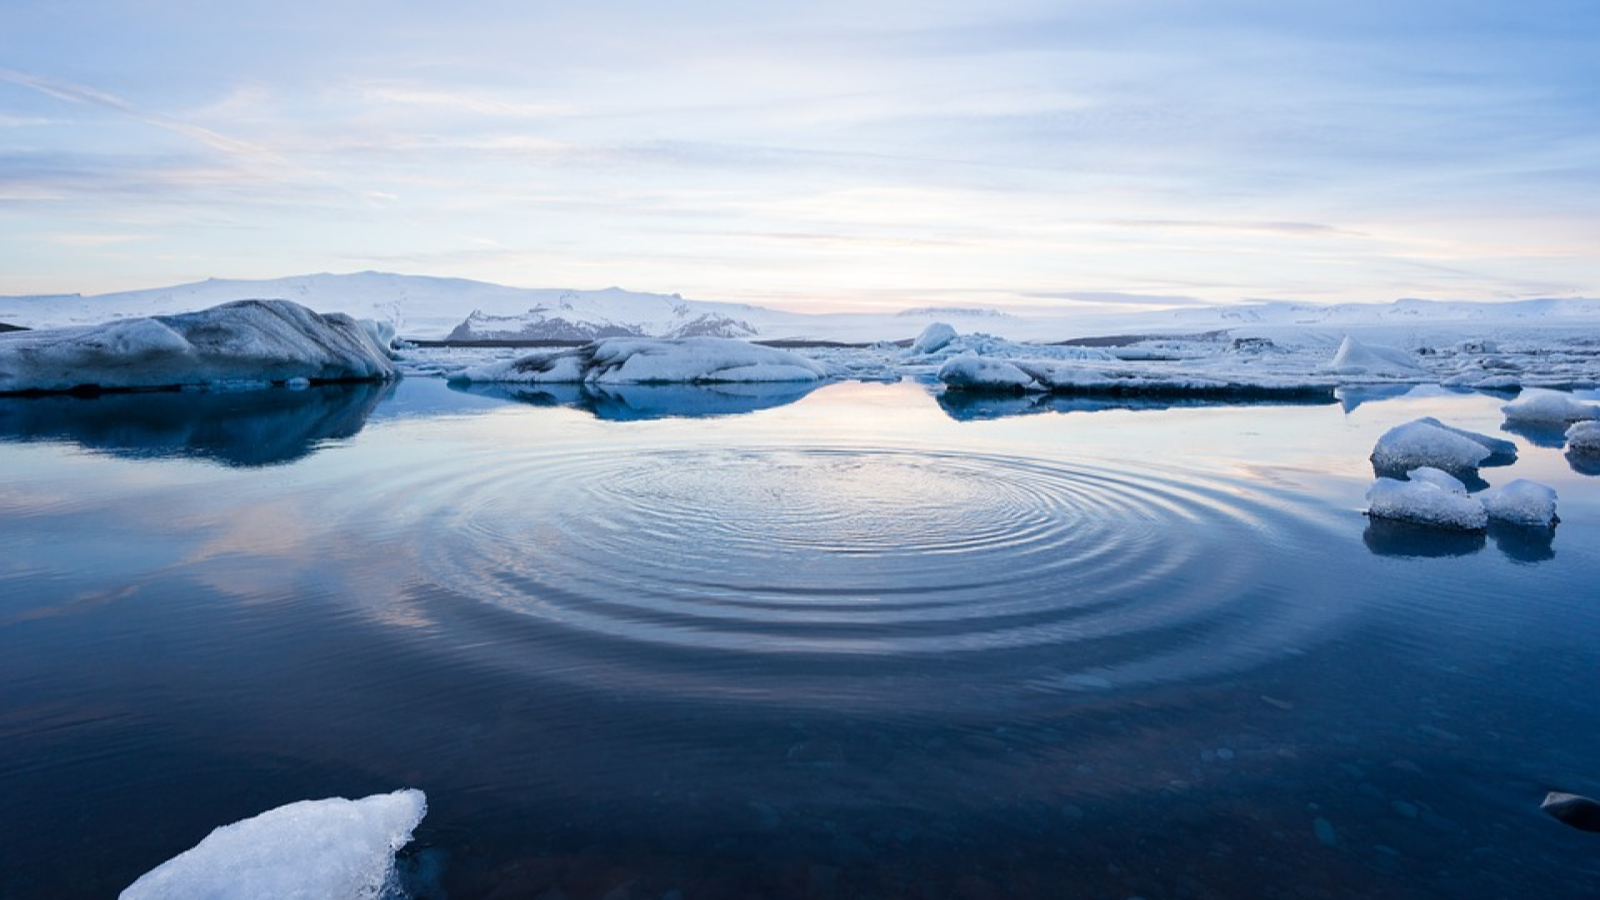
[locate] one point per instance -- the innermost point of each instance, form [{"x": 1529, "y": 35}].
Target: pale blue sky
[{"x": 819, "y": 156}]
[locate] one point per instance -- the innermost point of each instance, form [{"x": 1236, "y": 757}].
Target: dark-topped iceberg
[{"x": 248, "y": 342}]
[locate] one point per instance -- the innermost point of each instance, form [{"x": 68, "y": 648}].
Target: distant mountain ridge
[{"x": 432, "y": 308}]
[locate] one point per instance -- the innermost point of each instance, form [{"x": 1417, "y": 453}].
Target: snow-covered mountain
[{"x": 428, "y": 308}]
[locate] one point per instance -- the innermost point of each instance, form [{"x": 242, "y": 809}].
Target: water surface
[{"x": 862, "y": 641}]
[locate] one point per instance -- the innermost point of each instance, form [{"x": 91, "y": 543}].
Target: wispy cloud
[{"x": 74, "y": 93}]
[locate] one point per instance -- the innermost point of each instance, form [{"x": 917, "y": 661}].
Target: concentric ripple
[{"x": 833, "y": 572}]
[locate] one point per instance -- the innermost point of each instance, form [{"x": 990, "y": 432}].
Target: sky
[{"x": 818, "y": 157}]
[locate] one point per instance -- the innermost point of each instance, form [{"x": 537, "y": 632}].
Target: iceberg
[
  {"x": 1521, "y": 502},
  {"x": 932, "y": 339},
  {"x": 1429, "y": 497},
  {"x": 970, "y": 372},
  {"x": 1356, "y": 358},
  {"x": 1584, "y": 437},
  {"x": 1428, "y": 442},
  {"x": 248, "y": 342},
  {"x": 330, "y": 849},
  {"x": 652, "y": 361},
  {"x": 1539, "y": 406}
]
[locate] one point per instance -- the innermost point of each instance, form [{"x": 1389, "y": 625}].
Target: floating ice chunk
[
  {"x": 1539, "y": 406},
  {"x": 1356, "y": 358},
  {"x": 1427, "y": 442},
  {"x": 653, "y": 361},
  {"x": 314, "y": 849},
  {"x": 249, "y": 341},
  {"x": 1438, "y": 478},
  {"x": 1521, "y": 502},
  {"x": 1430, "y": 497},
  {"x": 1584, "y": 437},
  {"x": 933, "y": 339},
  {"x": 984, "y": 374}
]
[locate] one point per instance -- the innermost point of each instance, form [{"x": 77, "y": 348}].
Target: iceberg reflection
[
  {"x": 1518, "y": 543},
  {"x": 969, "y": 406},
  {"x": 240, "y": 428},
  {"x": 637, "y": 402}
]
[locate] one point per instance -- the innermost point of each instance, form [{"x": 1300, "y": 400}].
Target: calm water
[{"x": 856, "y": 642}]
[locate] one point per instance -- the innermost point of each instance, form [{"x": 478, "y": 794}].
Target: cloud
[
  {"x": 74, "y": 93},
  {"x": 1119, "y": 298}
]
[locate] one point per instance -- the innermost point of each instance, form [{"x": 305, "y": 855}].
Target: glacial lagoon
[{"x": 855, "y": 640}]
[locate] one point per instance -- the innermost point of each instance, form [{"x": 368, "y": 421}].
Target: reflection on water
[
  {"x": 637, "y": 402},
  {"x": 1584, "y": 463},
  {"x": 236, "y": 428},
  {"x": 1389, "y": 537},
  {"x": 1539, "y": 434},
  {"x": 966, "y": 406},
  {"x": 847, "y": 646}
]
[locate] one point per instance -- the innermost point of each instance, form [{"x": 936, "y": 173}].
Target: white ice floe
[
  {"x": 248, "y": 342},
  {"x": 333, "y": 849},
  {"x": 981, "y": 363},
  {"x": 932, "y": 339},
  {"x": 1521, "y": 502},
  {"x": 1428, "y": 497},
  {"x": 650, "y": 361},
  {"x": 1536, "y": 406},
  {"x": 978, "y": 372},
  {"x": 1584, "y": 437},
  {"x": 1356, "y": 358},
  {"x": 1429, "y": 442}
]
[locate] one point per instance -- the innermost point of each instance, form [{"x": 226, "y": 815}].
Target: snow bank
[
  {"x": 1430, "y": 497},
  {"x": 651, "y": 361},
  {"x": 1521, "y": 502},
  {"x": 1355, "y": 358},
  {"x": 1537, "y": 406},
  {"x": 1429, "y": 442},
  {"x": 251, "y": 341},
  {"x": 334, "y": 849},
  {"x": 1584, "y": 437}
]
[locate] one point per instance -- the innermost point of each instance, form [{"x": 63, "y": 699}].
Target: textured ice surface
[
  {"x": 1430, "y": 497},
  {"x": 933, "y": 338},
  {"x": 981, "y": 372},
  {"x": 1427, "y": 442},
  {"x": 651, "y": 361},
  {"x": 1584, "y": 437},
  {"x": 1521, "y": 502},
  {"x": 1356, "y": 358},
  {"x": 1538, "y": 406},
  {"x": 333, "y": 849},
  {"x": 248, "y": 342}
]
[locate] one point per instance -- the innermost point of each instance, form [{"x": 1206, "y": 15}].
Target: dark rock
[{"x": 1580, "y": 812}]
